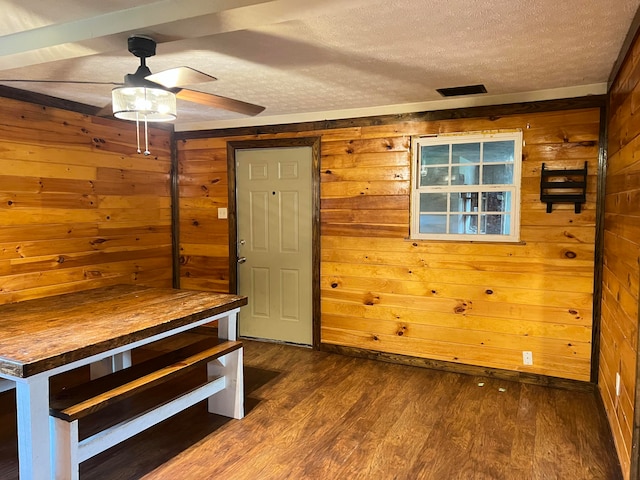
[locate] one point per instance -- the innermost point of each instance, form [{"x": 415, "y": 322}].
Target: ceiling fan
[{"x": 148, "y": 97}]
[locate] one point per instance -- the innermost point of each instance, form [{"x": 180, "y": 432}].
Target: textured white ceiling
[{"x": 318, "y": 59}]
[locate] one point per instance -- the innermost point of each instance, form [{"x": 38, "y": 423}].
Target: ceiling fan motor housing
[{"x": 142, "y": 46}]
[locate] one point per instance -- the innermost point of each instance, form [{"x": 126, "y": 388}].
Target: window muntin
[{"x": 467, "y": 187}]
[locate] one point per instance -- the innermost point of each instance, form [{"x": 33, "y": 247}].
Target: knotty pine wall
[
  {"x": 204, "y": 239},
  {"x": 473, "y": 303},
  {"x": 78, "y": 207},
  {"x": 621, "y": 273}
]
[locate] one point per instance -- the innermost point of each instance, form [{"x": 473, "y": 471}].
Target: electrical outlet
[
  {"x": 222, "y": 213},
  {"x": 617, "y": 384},
  {"x": 527, "y": 357}
]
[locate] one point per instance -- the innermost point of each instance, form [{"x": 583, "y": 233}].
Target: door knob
[{"x": 242, "y": 259}]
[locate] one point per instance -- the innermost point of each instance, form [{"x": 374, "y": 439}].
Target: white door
[{"x": 274, "y": 220}]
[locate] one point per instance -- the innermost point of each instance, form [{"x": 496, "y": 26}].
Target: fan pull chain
[
  {"x": 146, "y": 137},
  {"x": 138, "y": 132}
]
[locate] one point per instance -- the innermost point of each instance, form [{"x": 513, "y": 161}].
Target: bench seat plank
[
  {"x": 82, "y": 400},
  {"x": 111, "y": 436},
  {"x": 223, "y": 390}
]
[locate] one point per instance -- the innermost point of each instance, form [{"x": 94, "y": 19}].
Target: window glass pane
[
  {"x": 465, "y": 175},
  {"x": 433, "y": 202},
  {"x": 498, "y": 151},
  {"x": 497, "y": 174},
  {"x": 434, "y": 155},
  {"x": 495, "y": 224},
  {"x": 466, "y": 187},
  {"x": 465, "y": 153},
  {"x": 433, "y": 223},
  {"x": 496, "y": 201},
  {"x": 430, "y": 176},
  {"x": 463, "y": 224},
  {"x": 464, "y": 202}
]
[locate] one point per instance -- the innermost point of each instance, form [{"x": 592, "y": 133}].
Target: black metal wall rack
[{"x": 563, "y": 186}]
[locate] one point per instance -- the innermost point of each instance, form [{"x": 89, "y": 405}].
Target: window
[{"x": 467, "y": 187}]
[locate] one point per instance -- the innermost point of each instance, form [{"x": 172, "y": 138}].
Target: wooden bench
[{"x": 222, "y": 387}]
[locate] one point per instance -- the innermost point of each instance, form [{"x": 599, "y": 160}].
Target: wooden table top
[{"x": 41, "y": 334}]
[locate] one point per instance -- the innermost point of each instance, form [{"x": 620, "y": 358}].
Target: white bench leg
[
  {"x": 230, "y": 401},
  {"x": 65, "y": 441}
]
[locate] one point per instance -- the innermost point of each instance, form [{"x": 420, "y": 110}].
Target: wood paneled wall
[
  {"x": 78, "y": 207},
  {"x": 474, "y": 303},
  {"x": 621, "y": 273},
  {"x": 204, "y": 239}
]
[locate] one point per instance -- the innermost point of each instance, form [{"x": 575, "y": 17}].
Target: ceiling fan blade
[
  {"x": 216, "y": 101},
  {"x": 75, "y": 82},
  {"x": 179, "y": 76}
]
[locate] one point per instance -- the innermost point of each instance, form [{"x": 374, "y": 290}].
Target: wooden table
[{"x": 44, "y": 337}]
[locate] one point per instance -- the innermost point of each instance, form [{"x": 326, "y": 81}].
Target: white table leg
[
  {"x": 34, "y": 442},
  {"x": 110, "y": 364},
  {"x": 228, "y": 326},
  {"x": 6, "y": 385}
]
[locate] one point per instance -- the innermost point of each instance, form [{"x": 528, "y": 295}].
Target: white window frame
[{"x": 462, "y": 138}]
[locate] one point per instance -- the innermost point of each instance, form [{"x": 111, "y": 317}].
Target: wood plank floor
[{"x": 314, "y": 415}]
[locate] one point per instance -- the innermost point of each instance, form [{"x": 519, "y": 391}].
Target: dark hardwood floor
[{"x": 314, "y": 415}]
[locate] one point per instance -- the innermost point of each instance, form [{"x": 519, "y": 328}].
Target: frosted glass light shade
[{"x": 138, "y": 103}]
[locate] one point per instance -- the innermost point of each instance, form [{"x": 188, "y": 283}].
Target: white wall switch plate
[
  {"x": 527, "y": 358},
  {"x": 222, "y": 213}
]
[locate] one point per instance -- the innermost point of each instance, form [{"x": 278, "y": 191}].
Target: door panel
[
  {"x": 274, "y": 222},
  {"x": 259, "y": 218},
  {"x": 260, "y": 292},
  {"x": 289, "y": 294}
]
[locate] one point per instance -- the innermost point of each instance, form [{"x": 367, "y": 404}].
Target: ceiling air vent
[{"x": 459, "y": 91}]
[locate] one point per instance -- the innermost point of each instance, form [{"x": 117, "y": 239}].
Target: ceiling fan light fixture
[{"x": 143, "y": 103}]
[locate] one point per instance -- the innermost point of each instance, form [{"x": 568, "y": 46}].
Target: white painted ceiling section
[{"x": 307, "y": 60}]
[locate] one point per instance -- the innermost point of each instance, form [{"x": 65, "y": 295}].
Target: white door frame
[{"x": 314, "y": 143}]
